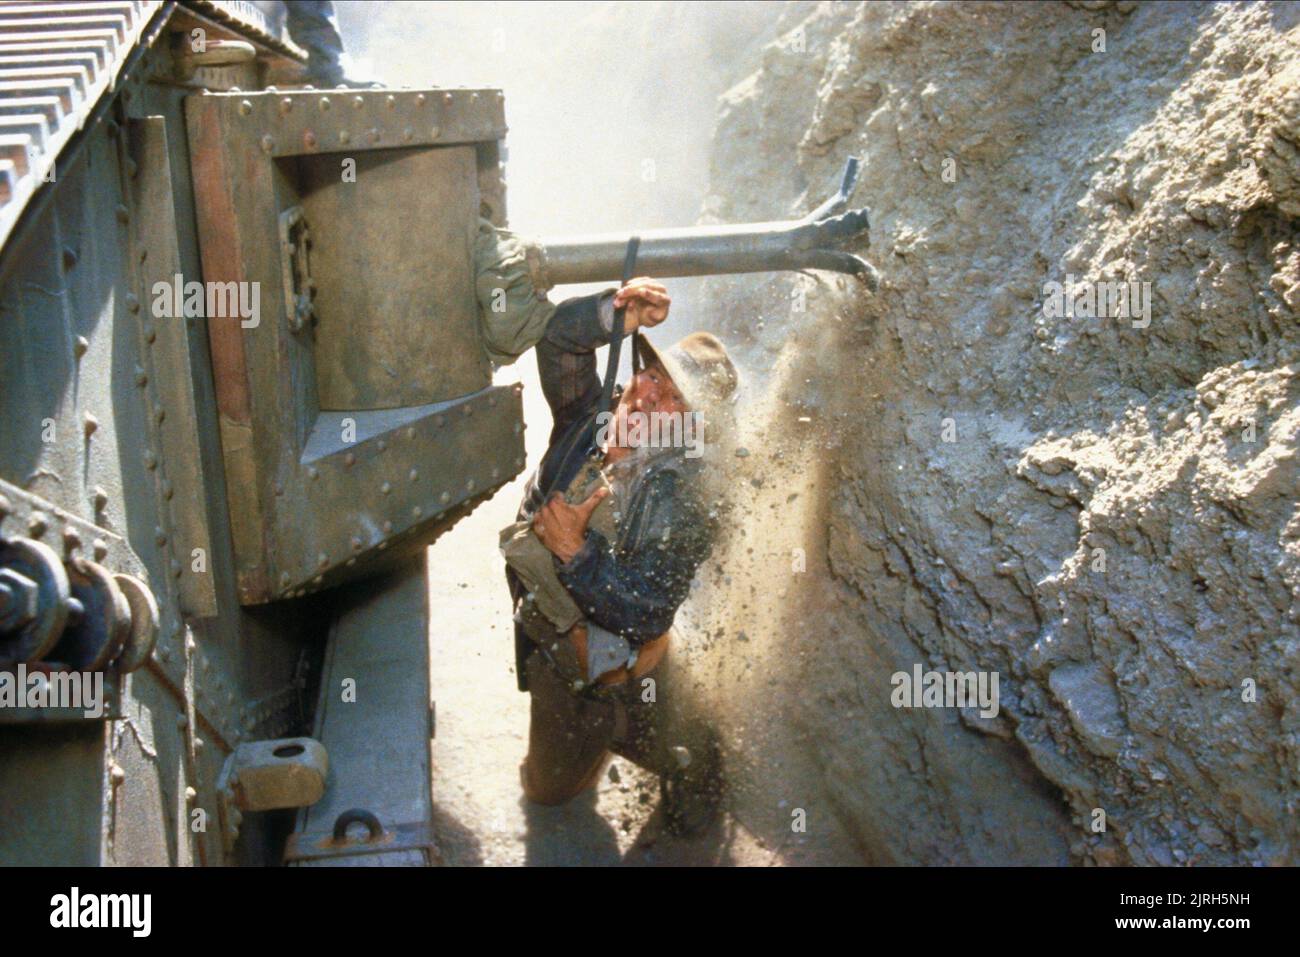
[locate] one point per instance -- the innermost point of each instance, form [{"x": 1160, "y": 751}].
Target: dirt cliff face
[{"x": 969, "y": 472}]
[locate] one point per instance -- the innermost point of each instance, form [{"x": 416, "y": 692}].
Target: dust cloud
[{"x": 611, "y": 109}]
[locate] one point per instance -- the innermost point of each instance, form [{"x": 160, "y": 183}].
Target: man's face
[{"x": 651, "y": 391}]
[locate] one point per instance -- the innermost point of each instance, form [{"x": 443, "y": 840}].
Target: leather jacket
[{"x": 633, "y": 585}]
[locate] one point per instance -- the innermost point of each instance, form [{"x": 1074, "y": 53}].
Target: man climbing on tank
[{"x": 610, "y": 534}]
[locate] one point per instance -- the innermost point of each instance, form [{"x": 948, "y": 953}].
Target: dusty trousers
[{"x": 571, "y": 736}]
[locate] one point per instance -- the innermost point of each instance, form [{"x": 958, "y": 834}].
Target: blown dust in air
[{"x": 611, "y": 109}]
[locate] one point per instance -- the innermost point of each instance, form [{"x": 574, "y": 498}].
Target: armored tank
[{"x": 242, "y": 389}]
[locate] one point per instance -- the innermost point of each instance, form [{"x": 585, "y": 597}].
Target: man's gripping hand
[
  {"x": 562, "y": 527},
  {"x": 647, "y": 303}
]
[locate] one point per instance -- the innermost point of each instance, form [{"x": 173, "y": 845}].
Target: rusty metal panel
[
  {"x": 386, "y": 323},
  {"x": 164, "y": 369},
  {"x": 317, "y": 494}
]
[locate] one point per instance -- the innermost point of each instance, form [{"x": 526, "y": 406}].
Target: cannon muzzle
[{"x": 809, "y": 243}]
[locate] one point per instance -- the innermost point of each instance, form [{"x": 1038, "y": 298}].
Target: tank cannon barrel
[{"x": 809, "y": 243}]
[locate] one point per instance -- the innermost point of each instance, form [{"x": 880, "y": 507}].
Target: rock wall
[{"x": 957, "y": 473}]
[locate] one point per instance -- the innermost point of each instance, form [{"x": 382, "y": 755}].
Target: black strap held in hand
[{"x": 616, "y": 334}]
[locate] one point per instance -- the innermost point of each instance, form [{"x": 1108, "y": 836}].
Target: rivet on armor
[
  {"x": 467, "y": 409},
  {"x": 416, "y": 512},
  {"x": 344, "y": 136},
  {"x": 420, "y": 99},
  {"x": 390, "y": 101},
  {"x": 350, "y": 459},
  {"x": 89, "y": 424},
  {"x": 313, "y": 473},
  {"x": 358, "y": 102},
  {"x": 80, "y": 345},
  {"x": 268, "y": 143},
  {"x": 469, "y": 485},
  {"x": 434, "y": 132},
  {"x": 374, "y": 135},
  {"x": 309, "y": 139},
  {"x": 117, "y": 775},
  {"x": 99, "y": 548},
  {"x": 99, "y": 497},
  {"x": 445, "y": 497},
  {"x": 141, "y": 377},
  {"x": 382, "y": 445},
  {"x": 415, "y": 475},
  {"x": 324, "y": 102},
  {"x": 245, "y": 107},
  {"x": 71, "y": 540},
  {"x": 286, "y": 104},
  {"x": 447, "y": 98},
  {"x": 322, "y": 559},
  {"x": 385, "y": 488},
  {"x": 410, "y": 431}
]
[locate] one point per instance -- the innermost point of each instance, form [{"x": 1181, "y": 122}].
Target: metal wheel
[
  {"x": 36, "y": 591},
  {"x": 144, "y": 623},
  {"x": 97, "y": 636}
]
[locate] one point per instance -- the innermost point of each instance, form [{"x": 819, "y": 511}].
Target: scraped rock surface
[{"x": 957, "y": 473}]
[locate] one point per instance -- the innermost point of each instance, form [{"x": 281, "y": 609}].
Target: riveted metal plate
[{"x": 375, "y": 422}]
